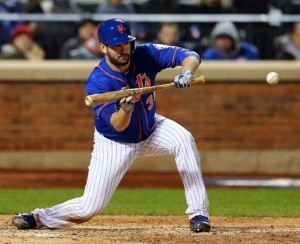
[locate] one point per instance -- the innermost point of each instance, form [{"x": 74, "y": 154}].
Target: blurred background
[
  {"x": 65, "y": 29},
  {"x": 243, "y": 126}
]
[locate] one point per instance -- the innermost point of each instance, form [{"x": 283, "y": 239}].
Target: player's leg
[
  {"x": 171, "y": 138},
  {"x": 110, "y": 161}
]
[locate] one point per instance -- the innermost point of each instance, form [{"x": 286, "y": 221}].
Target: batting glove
[
  {"x": 127, "y": 104},
  {"x": 183, "y": 79}
]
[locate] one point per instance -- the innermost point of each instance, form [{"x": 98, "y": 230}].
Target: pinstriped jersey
[{"x": 145, "y": 62}]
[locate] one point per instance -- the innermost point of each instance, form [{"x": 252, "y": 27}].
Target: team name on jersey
[{"x": 142, "y": 80}]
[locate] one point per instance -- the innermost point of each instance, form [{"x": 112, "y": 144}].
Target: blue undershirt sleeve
[
  {"x": 102, "y": 111},
  {"x": 105, "y": 111}
]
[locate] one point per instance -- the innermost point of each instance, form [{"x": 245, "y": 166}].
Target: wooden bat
[{"x": 117, "y": 95}]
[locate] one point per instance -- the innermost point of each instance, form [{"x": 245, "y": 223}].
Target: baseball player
[{"x": 130, "y": 128}]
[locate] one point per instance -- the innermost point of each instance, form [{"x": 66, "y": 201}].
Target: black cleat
[
  {"x": 200, "y": 224},
  {"x": 24, "y": 221}
]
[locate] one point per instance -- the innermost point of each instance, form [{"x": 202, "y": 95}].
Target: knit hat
[{"x": 22, "y": 29}]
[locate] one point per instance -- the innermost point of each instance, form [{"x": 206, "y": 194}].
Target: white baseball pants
[{"x": 109, "y": 162}]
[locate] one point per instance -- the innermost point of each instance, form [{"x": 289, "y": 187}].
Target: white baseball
[{"x": 272, "y": 78}]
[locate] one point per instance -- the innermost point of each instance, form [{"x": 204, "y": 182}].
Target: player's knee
[
  {"x": 188, "y": 135},
  {"x": 183, "y": 140},
  {"x": 185, "y": 135}
]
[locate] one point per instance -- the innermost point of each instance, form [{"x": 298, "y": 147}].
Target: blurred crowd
[{"x": 213, "y": 41}]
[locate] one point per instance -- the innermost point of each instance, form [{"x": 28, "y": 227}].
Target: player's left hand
[{"x": 183, "y": 79}]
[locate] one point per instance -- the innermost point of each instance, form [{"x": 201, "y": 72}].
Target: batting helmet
[{"x": 114, "y": 32}]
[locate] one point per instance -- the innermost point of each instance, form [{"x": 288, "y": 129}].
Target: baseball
[{"x": 272, "y": 78}]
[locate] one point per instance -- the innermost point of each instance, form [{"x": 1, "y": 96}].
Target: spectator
[
  {"x": 288, "y": 46},
  {"x": 252, "y": 7},
  {"x": 34, "y": 6},
  {"x": 84, "y": 45},
  {"x": 290, "y": 7},
  {"x": 52, "y": 35},
  {"x": 196, "y": 33},
  {"x": 64, "y": 6},
  {"x": 210, "y": 7},
  {"x": 226, "y": 45},
  {"x": 22, "y": 45},
  {"x": 115, "y": 7},
  {"x": 168, "y": 34},
  {"x": 160, "y": 7},
  {"x": 156, "y": 7},
  {"x": 6, "y": 26},
  {"x": 261, "y": 34},
  {"x": 50, "y": 6}
]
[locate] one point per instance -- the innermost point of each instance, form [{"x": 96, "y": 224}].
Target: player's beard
[{"x": 116, "y": 61}]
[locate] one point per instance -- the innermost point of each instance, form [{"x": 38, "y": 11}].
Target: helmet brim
[{"x": 119, "y": 40}]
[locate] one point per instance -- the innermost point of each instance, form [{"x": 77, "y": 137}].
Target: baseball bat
[{"x": 117, "y": 95}]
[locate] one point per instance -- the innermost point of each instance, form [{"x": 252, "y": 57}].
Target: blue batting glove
[{"x": 183, "y": 79}]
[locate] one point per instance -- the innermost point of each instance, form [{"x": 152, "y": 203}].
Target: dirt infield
[
  {"x": 140, "y": 229},
  {"x": 159, "y": 229}
]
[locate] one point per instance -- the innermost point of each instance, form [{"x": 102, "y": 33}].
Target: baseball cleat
[
  {"x": 200, "y": 224},
  {"x": 24, "y": 221}
]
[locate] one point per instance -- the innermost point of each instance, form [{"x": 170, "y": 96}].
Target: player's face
[{"x": 119, "y": 55}]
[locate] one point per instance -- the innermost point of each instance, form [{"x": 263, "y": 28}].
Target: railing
[{"x": 183, "y": 18}]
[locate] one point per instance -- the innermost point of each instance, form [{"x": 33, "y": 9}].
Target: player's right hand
[{"x": 127, "y": 104}]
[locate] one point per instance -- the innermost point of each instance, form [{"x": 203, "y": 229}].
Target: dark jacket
[{"x": 241, "y": 50}]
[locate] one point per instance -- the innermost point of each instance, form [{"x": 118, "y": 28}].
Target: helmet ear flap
[{"x": 115, "y": 31}]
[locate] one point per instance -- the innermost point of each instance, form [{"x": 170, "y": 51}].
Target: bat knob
[{"x": 88, "y": 101}]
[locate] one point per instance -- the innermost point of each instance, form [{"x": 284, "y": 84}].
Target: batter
[{"x": 129, "y": 129}]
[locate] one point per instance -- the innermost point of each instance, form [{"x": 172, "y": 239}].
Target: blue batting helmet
[{"x": 114, "y": 32}]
